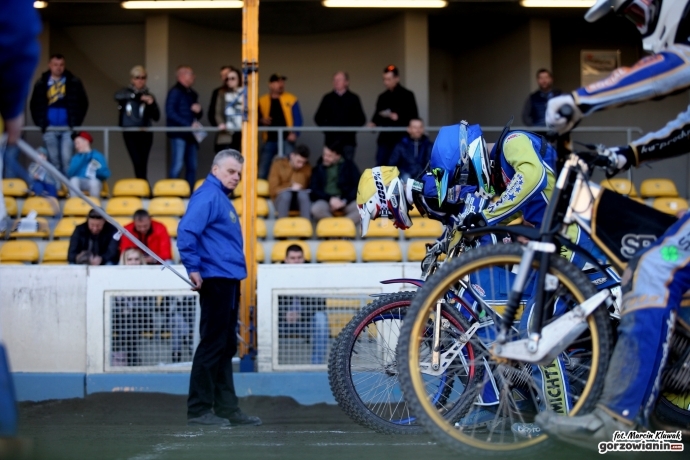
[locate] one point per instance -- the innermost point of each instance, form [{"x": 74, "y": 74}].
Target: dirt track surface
[{"x": 150, "y": 426}]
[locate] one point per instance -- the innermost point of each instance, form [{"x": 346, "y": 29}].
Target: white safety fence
[{"x": 116, "y": 319}]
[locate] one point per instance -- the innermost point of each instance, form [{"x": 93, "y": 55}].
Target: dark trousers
[
  {"x": 139, "y": 146},
  {"x": 211, "y": 387}
]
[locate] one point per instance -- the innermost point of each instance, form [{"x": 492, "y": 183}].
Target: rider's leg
[{"x": 653, "y": 285}]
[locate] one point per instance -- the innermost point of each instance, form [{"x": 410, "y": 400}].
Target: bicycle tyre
[
  {"x": 502, "y": 257},
  {"x": 353, "y": 365}
]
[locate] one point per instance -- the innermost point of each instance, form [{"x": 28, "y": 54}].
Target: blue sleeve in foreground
[{"x": 191, "y": 228}]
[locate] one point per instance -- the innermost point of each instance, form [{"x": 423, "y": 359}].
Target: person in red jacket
[{"x": 153, "y": 234}]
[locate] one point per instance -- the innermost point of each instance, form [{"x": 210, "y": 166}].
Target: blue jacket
[
  {"x": 19, "y": 50},
  {"x": 209, "y": 236},
  {"x": 411, "y": 157},
  {"x": 80, "y": 163},
  {"x": 178, "y": 110}
]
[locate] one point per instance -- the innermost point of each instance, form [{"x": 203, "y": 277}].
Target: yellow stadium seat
[
  {"x": 416, "y": 250},
  {"x": 280, "y": 247},
  {"x": 170, "y": 224},
  {"x": 381, "y": 251},
  {"x": 166, "y": 206},
  {"x": 657, "y": 188},
  {"x": 620, "y": 185},
  {"x": 261, "y": 206},
  {"x": 238, "y": 190},
  {"x": 198, "y": 184},
  {"x": 260, "y": 254},
  {"x": 75, "y": 206},
  {"x": 62, "y": 191},
  {"x": 56, "y": 252},
  {"x": 65, "y": 227},
  {"x": 11, "y": 206},
  {"x": 105, "y": 190},
  {"x": 124, "y": 206},
  {"x": 132, "y": 187},
  {"x": 262, "y": 188},
  {"x": 382, "y": 228},
  {"x": 293, "y": 227},
  {"x": 14, "y": 187},
  {"x": 24, "y": 251},
  {"x": 260, "y": 227},
  {"x": 670, "y": 205},
  {"x": 123, "y": 220},
  {"x": 171, "y": 187},
  {"x": 336, "y": 227},
  {"x": 336, "y": 251},
  {"x": 43, "y": 230},
  {"x": 424, "y": 228},
  {"x": 43, "y": 206}
]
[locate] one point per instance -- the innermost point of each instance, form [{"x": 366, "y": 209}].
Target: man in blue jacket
[
  {"x": 88, "y": 168},
  {"x": 182, "y": 109},
  {"x": 209, "y": 239},
  {"x": 412, "y": 154}
]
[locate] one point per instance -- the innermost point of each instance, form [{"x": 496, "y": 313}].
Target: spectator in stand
[
  {"x": 395, "y": 107},
  {"x": 224, "y": 71},
  {"x": 150, "y": 232},
  {"x": 341, "y": 107},
  {"x": 533, "y": 113},
  {"x": 137, "y": 108},
  {"x": 288, "y": 183},
  {"x": 90, "y": 243},
  {"x": 88, "y": 168},
  {"x": 413, "y": 152},
  {"x": 182, "y": 108},
  {"x": 132, "y": 256},
  {"x": 58, "y": 101},
  {"x": 42, "y": 183},
  {"x": 334, "y": 185},
  {"x": 228, "y": 112},
  {"x": 305, "y": 315},
  {"x": 277, "y": 108}
]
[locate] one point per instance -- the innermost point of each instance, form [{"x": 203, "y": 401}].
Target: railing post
[
  {"x": 106, "y": 144},
  {"x": 280, "y": 142}
]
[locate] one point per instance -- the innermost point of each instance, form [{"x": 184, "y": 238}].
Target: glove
[
  {"x": 617, "y": 159},
  {"x": 474, "y": 219},
  {"x": 556, "y": 121}
]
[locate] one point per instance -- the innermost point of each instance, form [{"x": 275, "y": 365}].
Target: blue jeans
[
  {"x": 268, "y": 151},
  {"x": 183, "y": 151},
  {"x": 12, "y": 166},
  {"x": 319, "y": 337},
  {"x": 59, "y": 145}
]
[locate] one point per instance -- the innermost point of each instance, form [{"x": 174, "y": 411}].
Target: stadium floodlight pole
[
  {"x": 250, "y": 74},
  {"x": 34, "y": 155}
]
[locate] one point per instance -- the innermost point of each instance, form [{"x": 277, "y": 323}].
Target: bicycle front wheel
[
  {"x": 495, "y": 412},
  {"x": 363, "y": 370}
]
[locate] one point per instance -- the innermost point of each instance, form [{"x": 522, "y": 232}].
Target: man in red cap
[{"x": 88, "y": 167}]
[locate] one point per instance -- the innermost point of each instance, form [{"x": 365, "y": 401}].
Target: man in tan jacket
[{"x": 288, "y": 183}]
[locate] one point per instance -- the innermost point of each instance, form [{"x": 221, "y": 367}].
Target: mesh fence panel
[
  {"x": 150, "y": 331},
  {"x": 307, "y": 326}
]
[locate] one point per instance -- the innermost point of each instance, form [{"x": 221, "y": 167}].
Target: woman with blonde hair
[
  {"x": 132, "y": 256},
  {"x": 229, "y": 110}
]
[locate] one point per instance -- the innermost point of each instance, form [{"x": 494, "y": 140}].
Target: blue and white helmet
[{"x": 656, "y": 20}]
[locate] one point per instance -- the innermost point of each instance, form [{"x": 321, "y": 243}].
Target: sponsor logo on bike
[
  {"x": 478, "y": 289},
  {"x": 631, "y": 243},
  {"x": 643, "y": 441},
  {"x": 554, "y": 387}
]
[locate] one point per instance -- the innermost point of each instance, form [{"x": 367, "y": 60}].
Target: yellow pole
[{"x": 250, "y": 63}]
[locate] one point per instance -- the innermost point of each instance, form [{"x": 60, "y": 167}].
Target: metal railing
[{"x": 281, "y": 130}]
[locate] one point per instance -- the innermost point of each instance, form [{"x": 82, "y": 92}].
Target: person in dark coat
[
  {"x": 58, "y": 100},
  {"x": 411, "y": 155},
  {"x": 333, "y": 185},
  {"x": 92, "y": 242},
  {"x": 534, "y": 110},
  {"x": 224, "y": 72},
  {"x": 138, "y": 108},
  {"x": 395, "y": 107},
  {"x": 341, "y": 107},
  {"x": 182, "y": 109}
]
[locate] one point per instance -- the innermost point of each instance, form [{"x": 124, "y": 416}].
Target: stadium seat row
[
  {"x": 134, "y": 187},
  {"x": 331, "y": 251}
]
